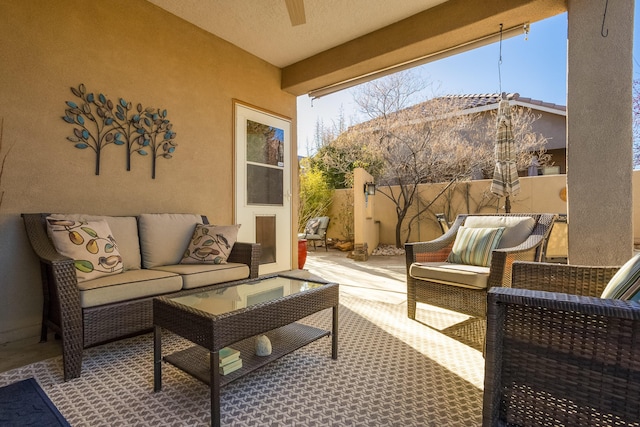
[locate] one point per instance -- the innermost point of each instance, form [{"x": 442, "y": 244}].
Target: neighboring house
[{"x": 552, "y": 122}]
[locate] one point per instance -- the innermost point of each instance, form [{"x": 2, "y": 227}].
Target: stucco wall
[
  {"x": 539, "y": 194},
  {"x": 122, "y": 48}
]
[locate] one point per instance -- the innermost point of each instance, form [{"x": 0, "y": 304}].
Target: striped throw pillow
[
  {"x": 474, "y": 246},
  {"x": 626, "y": 282}
]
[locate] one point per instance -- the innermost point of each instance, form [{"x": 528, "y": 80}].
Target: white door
[{"x": 263, "y": 184}]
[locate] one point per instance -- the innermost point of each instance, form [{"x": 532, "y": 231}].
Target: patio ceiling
[{"x": 344, "y": 40}]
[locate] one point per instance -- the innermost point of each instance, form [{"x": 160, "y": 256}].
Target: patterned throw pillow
[
  {"x": 624, "y": 284},
  {"x": 312, "y": 226},
  {"x": 473, "y": 246},
  {"x": 211, "y": 244},
  {"x": 89, "y": 243}
]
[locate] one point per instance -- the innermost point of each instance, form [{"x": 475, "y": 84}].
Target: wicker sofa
[
  {"x": 434, "y": 279},
  {"x": 557, "y": 354},
  {"x": 151, "y": 247}
]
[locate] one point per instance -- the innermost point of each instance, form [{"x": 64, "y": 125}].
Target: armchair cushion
[
  {"x": 211, "y": 244},
  {"x": 315, "y": 229},
  {"x": 312, "y": 226},
  {"x": 90, "y": 244},
  {"x": 516, "y": 228},
  {"x": 625, "y": 284},
  {"x": 474, "y": 246},
  {"x": 466, "y": 276}
]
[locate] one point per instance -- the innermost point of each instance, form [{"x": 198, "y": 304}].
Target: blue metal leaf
[
  {"x": 90, "y": 98},
  {"x": 120, "y": 116},
  {"x": 146, "y": 143},
  {"x": 82, "y": 146},
  {"x": 68, "y": 119},
  {"x": 102, "y": 98},
  {"x": 164, "y": 113},
  {"x": 85, "y": 134},
  {"x": 142, "y": 152},
  {"x": 118, "y": 135},
  {"x": 80, "y": 120},
  {"x": 123, "y": 103},
  {"x": 118, "y": 142},
  {"x": 136, "y": 118},
  {"x": 108, "y": 121},
  {"x": 141, "y": 131},
  {"x": 167, "y": 135},
  {"x": 147, "y": 122},
  {"x": 172, "y": 149},
  {"x": 72, "y": 104}
]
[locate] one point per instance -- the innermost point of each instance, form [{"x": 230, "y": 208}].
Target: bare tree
[
  {"x": 424, "y": 143},
  {"x": 407, "y": 143}
]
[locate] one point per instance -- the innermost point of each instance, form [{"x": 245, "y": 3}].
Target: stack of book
[{"x": 229, "y": 360}]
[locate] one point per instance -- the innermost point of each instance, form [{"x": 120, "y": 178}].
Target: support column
[
  {"x": 364, "y": 228},
  {"x": 599, "y": 131}
]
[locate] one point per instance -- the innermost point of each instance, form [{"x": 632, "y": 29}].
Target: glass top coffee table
[{"x": 233, "y": 316}]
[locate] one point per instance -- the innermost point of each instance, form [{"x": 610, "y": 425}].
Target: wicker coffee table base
[
  {"x": 284, "y": 340},
  {"x": 277, "y": 319}
]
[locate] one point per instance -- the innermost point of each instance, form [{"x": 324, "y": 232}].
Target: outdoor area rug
[
  {"x": 391, "y": 371},
  {"x": 24, "y": 403}
]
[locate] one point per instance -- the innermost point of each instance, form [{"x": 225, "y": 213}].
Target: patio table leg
[
  {"x": 214, "y": 362},
  {"x": 157, "y": 358},
  {"x": 334, "y": 334}
]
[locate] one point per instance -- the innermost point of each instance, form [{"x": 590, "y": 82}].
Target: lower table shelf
[{"x": 284, "y": 340}]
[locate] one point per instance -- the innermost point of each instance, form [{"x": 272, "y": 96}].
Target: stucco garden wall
[
  {"x": 121, "y": 48},
  {"x": 538, "y": 194}
]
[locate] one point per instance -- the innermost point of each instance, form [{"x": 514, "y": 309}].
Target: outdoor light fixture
[{"x": 370, "y": 189}]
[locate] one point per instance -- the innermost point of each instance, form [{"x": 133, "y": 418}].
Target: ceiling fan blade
[{"x": 296, "y": 11}]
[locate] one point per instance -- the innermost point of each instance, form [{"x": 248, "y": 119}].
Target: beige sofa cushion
[
  {"x": 165, "y": 237},
  {"x": 516, "y": 228},
  {"x": 467, "y": 276},
  {"x": 125, "y": 232},
  {"x": 127, "y": 286},
  {"x": 198, "y": 275}
]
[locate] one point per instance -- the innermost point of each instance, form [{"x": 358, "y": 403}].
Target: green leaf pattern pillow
[{"x": 90, "y": 244}]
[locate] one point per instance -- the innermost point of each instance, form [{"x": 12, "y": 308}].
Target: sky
[{"x": 533, "y": 65}]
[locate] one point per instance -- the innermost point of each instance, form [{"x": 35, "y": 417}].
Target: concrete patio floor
[{"x": 381, "y": 278}]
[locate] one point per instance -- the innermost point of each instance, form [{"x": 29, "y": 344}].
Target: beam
[{"x": 450, "y": 24}]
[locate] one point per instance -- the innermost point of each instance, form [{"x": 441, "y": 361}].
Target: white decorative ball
[{"x": 263, "y": 345}]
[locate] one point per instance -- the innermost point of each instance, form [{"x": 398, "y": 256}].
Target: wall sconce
[{"x": 370, "y": 189}]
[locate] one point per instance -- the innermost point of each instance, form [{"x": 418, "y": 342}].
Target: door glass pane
[
  {"x": 264, "y": 185},
  {"x": 266, "y": 236},
  {"x": 265, "y": 144},
  {"x": 265, "y": 164}
]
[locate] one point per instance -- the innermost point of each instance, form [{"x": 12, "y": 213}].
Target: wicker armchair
[
  {"x": 316, "y": 231},
  {"x": 467, "y": 299},
  {"x": 561, "y": 358}
]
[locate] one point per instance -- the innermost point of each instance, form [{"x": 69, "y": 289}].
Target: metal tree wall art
[{"x": 99, "y": 122}]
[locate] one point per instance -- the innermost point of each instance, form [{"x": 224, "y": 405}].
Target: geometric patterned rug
[{"x": 391, "y": 371}]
